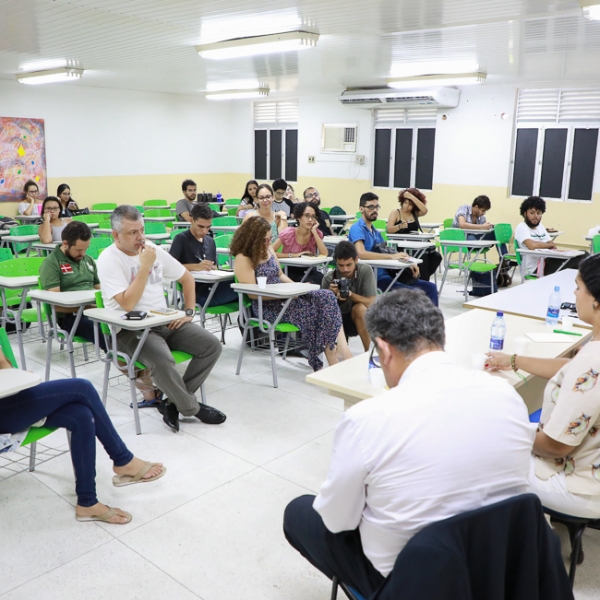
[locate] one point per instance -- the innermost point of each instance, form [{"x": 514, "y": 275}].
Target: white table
[
  {"x": 415, "y": 237},
  {"x": 113, "y": 319},
  {"x": 157, "y": 219},
  {"x": 334, "y": 240},
  {"x": 469, "y": 246},
  {"x": 554, "y": 234},
  {"x": 21, "y": 239},
  {"x": 157, "y": 236},
  {"x": 102, "y": 231},
  {"x": 339, "y": 222},
  {"x": 544, "y": 253},
  {"x": 101, "y": 212},
  {"x": 280, "y": 291},
  {"x": 13, "y": 381},
  {"x": 214, "y": 278},
  {"x": 12, "y": 315},
  {"x": 4, "y": 232},
  {"x": 466, "y": 335},
  {"x": 430, "y": 226},
  {"x": 181, "y": 224},
  {"x": 308, "y": 262},
  {"x": 28, "y": 218},
  {"x": 77, "y": 300},
  {"x": 395, "y": 265},
  {"x": 418, "y": 248},
  {"x": 225, "y": 227},
  {"x": 531, "y": 298},
  {"x": 43, "y": 249}
]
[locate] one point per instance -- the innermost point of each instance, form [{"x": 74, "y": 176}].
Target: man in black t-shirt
[
  {"x": 196, "y": 250},
  {"x": 312, "y": 195}
]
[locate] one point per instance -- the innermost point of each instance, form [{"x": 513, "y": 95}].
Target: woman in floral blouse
[{"x": 565, "y": 471}]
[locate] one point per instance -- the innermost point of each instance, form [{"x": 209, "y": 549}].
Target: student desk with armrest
[{"x": 394, "y": 265}]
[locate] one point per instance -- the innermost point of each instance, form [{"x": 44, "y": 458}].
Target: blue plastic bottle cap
[
  {"x": 499, "y": 314},
  {"x": 557, "y": 288}
]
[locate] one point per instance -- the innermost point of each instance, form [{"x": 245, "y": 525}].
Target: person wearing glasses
[
  {"x": 30, "y": 205},
  {"x": 370, "y": 245},
  {"x": 264, "y": 199},
  {"x": 53, "y": 224},
  {"x": 426, "y": 450},
  {"x": 304, "y": 240},
  {"x": 312, "y": 195}
]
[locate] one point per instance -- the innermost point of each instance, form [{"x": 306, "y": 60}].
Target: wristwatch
[
  {"x": 189, "y": 312},
  {"x": 290, "y": 255}
]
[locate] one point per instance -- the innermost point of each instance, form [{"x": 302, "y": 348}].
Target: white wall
[{"x": 105, "y": 132}]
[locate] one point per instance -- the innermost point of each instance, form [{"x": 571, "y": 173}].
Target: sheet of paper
[{"x": 552, "y": 338}]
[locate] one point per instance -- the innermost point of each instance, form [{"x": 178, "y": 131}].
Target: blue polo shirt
[{"x": 369, "y": 237}]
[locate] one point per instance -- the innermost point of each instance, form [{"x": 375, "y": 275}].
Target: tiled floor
[{"x": 211, "y": 528}]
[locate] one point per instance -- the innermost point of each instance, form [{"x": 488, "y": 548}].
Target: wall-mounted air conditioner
[
  {"x": 442, "y": 97},
  {"x": 339, "y": 138}
]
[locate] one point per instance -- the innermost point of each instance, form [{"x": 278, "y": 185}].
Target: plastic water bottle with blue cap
[
  {"x": 498, "y": 332},
  {"x": 553, "y": 307}
]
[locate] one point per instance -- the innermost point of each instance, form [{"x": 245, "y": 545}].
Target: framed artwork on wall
[{"x": 22, "y": 156}]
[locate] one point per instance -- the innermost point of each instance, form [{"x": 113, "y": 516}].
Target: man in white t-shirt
[
  {"x": 131, "y": 273},
  {"x": 442, "y": 441},
  {"x": 531, "y": 234}
]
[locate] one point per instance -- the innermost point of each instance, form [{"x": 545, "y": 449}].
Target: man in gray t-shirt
[
  {"x": 185, "y": 205},
  {"x": 362, "y": 290}
]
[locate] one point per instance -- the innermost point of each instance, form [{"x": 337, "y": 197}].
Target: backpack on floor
[{"x": 481, "y": 284}]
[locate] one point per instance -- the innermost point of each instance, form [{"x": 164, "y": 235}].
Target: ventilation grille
[
  {"x": 405, "y": 116},
  {"x": 558, "y": 106},
  {"x": 276, "y": 113}
]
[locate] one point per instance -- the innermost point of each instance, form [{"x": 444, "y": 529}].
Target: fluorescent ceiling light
[
  {"x": 449, "y": 79},
  {"x": 50, "y": 76},
  {"x": 262, "y": 44},
  {"x": 591, "y": 9},
  {"x": 403, "y": 69},
  {"x": 237, "y": 94}
]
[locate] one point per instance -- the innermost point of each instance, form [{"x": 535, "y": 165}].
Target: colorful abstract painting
[{"x": 22, "y": 156}]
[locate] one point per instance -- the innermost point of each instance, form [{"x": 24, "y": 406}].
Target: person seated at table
[
  {"x": 280, "y": 201},
  {"x": 427, "y": 449},
  {"x": 406, "y": 220},
  {"x": 183, "y": 208},
  {"x": 248, "y": 199},
  {"x": 304, "y": 240},
  {"x": 69, "y": 207},
  {"x": 531, "y": 234},
  {"x": 195, "y": 249},
  {"x": 312, "y": 195},
  {"x": 53, "y": 224},
  {"x": 131, "y": 275},
  {"x": 264, "y": 200},
  {"x": 74, "y": 404},
  {"x": 362, "y": 290},
  {"x": 316, "y": 314},
  {"x": 290, "y": 194},
  {"x": 30, "y": 205},
  {"x": 565, "y": 464},
  {"x": 370, "y": 245}
]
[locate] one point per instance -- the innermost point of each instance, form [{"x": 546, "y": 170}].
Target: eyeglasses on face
[
  {"x": 269, "y": 197},
  {"x": 309, "y": 217},
  {"x": 313, "y": 195},
  {"x": 51, "y": 209},
  {"x": 374, "y": 359},
  {"x": 372, "y": 207}
]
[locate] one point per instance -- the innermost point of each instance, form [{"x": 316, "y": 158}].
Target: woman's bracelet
[{"x": 513, "y": 360}]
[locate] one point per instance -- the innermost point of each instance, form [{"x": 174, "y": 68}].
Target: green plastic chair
[
  {"x": 448, "y": 251},
  {"x": 160, "y": 212},
  {"x": 151, "y": 227},
  {"x": 100, "y": 242},
  {"x": 380, "y": 225},
  {"x": 6, "y": 254},
  {"x": 448, "y": 223},
  {"x": 104, "y": 206},
  {"x": 504, "y": 233},
  {"x": 15, "y": 310},
  {"x": 141, "y": 209},
  {"x": 223, "y": 241},
  {"x": 35, "y": 433},
  {"x": 86, "y": 218},
  {"x": 232, "y": 211},
  {"x": 22, "y": 230},
  {"x": 325, "y": 209},
  {"x": 524, "y": 276},
  {"x": 596, "y": 244},
  {"x": 175, "y": 232},
  {"x": 173, "y": 205},
  {"x": 233, "y": 201},
  {"x": 225, "y": 221},
  {"x": 248, "y": 323},
  {"x": 156, "y": 203}
]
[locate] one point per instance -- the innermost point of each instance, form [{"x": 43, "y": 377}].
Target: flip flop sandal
[
  {"x": 149, "y": 403},
  {"x": 122, "y": 480},
  {"x": 106, "y": 516}
]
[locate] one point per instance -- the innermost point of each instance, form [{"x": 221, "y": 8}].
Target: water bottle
[
  {"x": 219, "y": 198},
  {"x": 498, "y": 332},
  {"x": 553, "y": 307}
]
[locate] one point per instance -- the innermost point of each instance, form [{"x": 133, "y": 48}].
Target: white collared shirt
[{"x": 444, "y": 441}]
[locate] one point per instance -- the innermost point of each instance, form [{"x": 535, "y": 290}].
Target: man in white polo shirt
[
  {"x": 442, "y": 441},
  {"x": 131, "y": 273}
]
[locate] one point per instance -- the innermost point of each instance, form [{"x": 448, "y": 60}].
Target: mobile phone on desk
[{"x": 164, "y": 311}]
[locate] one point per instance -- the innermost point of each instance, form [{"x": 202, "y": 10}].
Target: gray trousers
[{"x": 204, "y": 347}]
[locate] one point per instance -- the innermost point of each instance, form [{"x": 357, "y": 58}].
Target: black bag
[
  {"x": 406, "y": 277},
  {"x": 504, "y": 279},
  {"x": 481, "y": 284},
  {"x": 7, "y": 223}
]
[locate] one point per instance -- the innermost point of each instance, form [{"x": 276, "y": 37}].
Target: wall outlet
[
  {"x": 360, "y": 159},
  {"x": 311, "y": 159}
]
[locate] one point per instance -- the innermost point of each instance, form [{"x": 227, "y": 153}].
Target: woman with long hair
[
  {"x": 30, "y": 205},
  {"x": 248, "y": 199},
  {"x": 316, "y": 314},
  {"x": 264, "y": 202},
  {"x": 68, "y": 205},
  {"x": 405, "y": 219},
  {"x": 53, "y": 223},
  {"x": 565, "y": 464}
]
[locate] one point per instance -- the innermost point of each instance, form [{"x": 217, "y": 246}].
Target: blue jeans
[
  {"x": 85, "y": 329},
  {"x": 75, "y": 405},
  {"x": 384, "y": 280}
]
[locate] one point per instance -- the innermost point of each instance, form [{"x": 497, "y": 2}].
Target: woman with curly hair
[
  {"x": 405, "y": 219},
  {"x": 316, "y": 314}
]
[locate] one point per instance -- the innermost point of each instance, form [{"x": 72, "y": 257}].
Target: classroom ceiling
[{"x": 149, "y": 44}]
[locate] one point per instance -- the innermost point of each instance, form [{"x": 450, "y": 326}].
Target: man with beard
[
  {"x": 69, "y": 269},
  {"x": 532, "y": 234},
  {"x": 185, "y": 205},
  {"x": 311, "y": 195}
]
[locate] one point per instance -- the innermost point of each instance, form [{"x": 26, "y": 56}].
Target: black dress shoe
[
  {"x": 210, "y": 415},
  {"x": 170, "y": 414}
]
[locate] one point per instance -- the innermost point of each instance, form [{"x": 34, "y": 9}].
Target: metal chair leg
[
  {"x": 273, "y": 363},
  {"x": 48, "y": 356},
  {"x": 85, "y": 353},
  {"x": 105, "y": 382},
  {"x": 136, "y": 414},
  {"x": 242, "y": 348},
  {"x": 203, "y": 393},
  {"x": 32, "y": 452},
  {"x": 334, "y": 588}
]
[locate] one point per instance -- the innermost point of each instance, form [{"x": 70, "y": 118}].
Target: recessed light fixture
[
  {"x": 591, "y": 9},
  {"x": 50, "y": 76},
  {"x": 400, "y": 83},
  {"x": 261, "y": 44},
  {"x": 259, "y": 92}
]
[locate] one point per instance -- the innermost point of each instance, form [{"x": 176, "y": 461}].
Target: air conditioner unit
[
  {"x": 443, "y": 97},
  {"x": 339, "y": 138}
]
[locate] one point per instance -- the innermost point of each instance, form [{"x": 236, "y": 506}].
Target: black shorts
[{"x": 349, "y": 326}]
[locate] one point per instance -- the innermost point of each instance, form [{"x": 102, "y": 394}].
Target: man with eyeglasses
[
  {"x": 312, "y": 195},
  {"x": 370, "y": 245},
  {"x": 280, "y": 202},
  {"x": 442, "y": 441}
]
